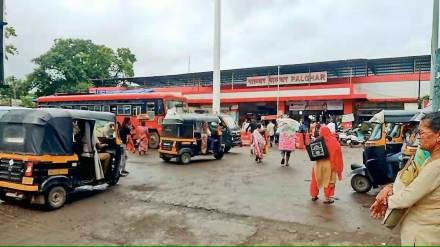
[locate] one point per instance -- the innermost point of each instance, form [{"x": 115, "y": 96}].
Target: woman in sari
[
  {"x": 258, "y": 143},
  {"x": 205, "y": 133},
  {"x": 325, "y": 171},
  {"x": 142, "y": 137}
]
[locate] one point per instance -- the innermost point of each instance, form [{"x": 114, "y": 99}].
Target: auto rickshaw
[
  {"x": 182, "y": 137},
  {"x": 47, "y": 153},
  {"x": 382, "y": 151}
]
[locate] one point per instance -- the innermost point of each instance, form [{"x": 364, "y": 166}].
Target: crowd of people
[{"x": 284, "y": 132}]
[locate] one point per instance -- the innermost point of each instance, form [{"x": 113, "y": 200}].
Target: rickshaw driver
[{"x": 107, "y": 131}]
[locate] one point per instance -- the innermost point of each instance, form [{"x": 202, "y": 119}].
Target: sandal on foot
[
  {"x": 315, "y": 198},
  {"x": 329, "y": 201}
]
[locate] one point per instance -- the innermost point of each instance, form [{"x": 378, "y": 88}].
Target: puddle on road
[{"x": 143, "y": 187}]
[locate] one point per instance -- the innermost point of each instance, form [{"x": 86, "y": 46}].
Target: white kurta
[{"x": 421, "y": 226}]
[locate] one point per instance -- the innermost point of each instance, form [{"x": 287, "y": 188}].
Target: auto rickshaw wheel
[
  {"x": 166, "y": 158},
  {"x": 219, "y": 155},
  {"x": 153, "y": 141},
  {"x": 3, "y": 196},
  {"x": 185, "y": 158},
  {"x": 55, "y": 197},
  {"x": 360, "y": 184}
]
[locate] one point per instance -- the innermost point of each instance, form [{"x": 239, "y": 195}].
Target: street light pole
[
  {"x": 434, "y": 44},
  {"x": 2, "y": 52},
  {"x": 278, "y": 90},
  {"x": 216, "y": 70}
]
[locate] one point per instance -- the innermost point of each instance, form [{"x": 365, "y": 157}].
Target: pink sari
[{"x": 258, "y": 143}]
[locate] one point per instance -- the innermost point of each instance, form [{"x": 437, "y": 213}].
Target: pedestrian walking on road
[
  {"x": 287, "y": 128},
  {"x": 258, "y": 143},
  {"x": 271, "y": 132},
  {"x": 325, "y": 171},
  {"x": 286, "y": 144},
  {"x": 124, "y": 133},
  {"x": 417, "y": 190},
  {"x": 142, "y": 137}
]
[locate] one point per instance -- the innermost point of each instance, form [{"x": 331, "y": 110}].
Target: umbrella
[{"x": 288, "y": 124}]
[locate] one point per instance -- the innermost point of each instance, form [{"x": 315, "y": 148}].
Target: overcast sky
[{"x": 164, "y": 33}]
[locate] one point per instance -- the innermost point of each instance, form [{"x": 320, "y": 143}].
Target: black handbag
[{"x": 317, "y": 149}]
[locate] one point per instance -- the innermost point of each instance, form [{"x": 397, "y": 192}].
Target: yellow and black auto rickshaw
[
  {"x": 182, "y": 137},
  {"x": 382, "y": 151},
  {"x": 47, "y": 153}
]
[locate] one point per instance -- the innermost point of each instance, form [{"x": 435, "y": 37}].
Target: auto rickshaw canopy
[
  {"x": 393, "y": 116},
  {"x": 44, "y": 130}
]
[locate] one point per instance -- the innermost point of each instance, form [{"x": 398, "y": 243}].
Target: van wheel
[
  {"x": 185, "y": 158},
  {"x": 360, "y": 184},
  {"x": 153, "y": 141},
  {"x": 55, "y": 197},
  {"x": 227, "y": 149}
]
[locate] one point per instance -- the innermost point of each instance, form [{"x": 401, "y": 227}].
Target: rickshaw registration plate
[{"x": 57, "y": 171}]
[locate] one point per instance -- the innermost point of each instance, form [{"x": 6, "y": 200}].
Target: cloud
[{"x": 163, "y": 34}]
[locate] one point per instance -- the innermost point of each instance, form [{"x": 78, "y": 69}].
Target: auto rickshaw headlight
[{"x": 29, "y": 167}]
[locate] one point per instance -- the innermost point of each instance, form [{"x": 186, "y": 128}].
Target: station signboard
[{"x": 287, "y": 79}]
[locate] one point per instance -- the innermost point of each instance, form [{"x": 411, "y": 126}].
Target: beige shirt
[{"x": 421, "y": 226}]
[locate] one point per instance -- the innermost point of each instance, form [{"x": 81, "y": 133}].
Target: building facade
[{"x": 325, "y": 89}]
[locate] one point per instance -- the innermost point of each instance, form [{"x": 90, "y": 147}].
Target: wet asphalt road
[{"x": 228, "y": 201}]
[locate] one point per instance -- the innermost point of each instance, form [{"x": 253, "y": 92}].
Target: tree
[
  {"x": 124, "y": 63},
  {"x": 17, "y": 89},
  {"x": 70, "y": 62},
  {"x": 10, "y": 49}
]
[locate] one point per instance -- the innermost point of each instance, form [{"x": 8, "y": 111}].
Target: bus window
[
  {"x": 150, "y": 106},
  {"x": 106, "y": 108},
  {"x": 113, "y": 109},
  {"x": 83, "y": 107},
  {"x": 97, "y": 108},
  {"x": 136, "y": 110},
  {"x": 159, "y": 107},
  {"x": 124, "y": 109}
]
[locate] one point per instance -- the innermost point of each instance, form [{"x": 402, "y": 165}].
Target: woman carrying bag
[
  {"x": 416, "y": 192},
  {"x": 325, "y": 171}
]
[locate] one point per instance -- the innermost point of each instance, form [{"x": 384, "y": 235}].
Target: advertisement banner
[
  {"x": 287, "y": 79},
  {"x": 316, "y": 105}
]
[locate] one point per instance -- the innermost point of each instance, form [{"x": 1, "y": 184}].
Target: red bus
[{"x": 154, "y": 104}]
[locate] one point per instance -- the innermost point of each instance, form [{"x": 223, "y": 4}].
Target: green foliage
[
  {"x": 70, "y": 62},
  {"x": 27, "y": 101},
  {"x": 10, "y": 49},
  {"x": 124, "y": 63}
]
